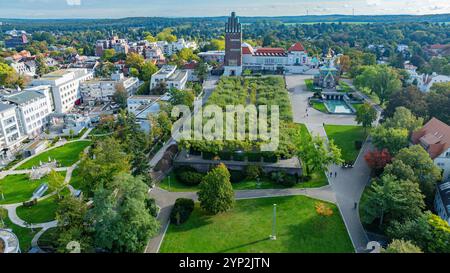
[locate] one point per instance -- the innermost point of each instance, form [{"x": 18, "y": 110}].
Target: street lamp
[{"x": 274, "y": 223}]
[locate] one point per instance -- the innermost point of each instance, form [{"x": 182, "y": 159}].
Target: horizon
[{"x": 118, "y": 9}]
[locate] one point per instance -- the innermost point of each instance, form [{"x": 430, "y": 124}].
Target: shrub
[
  {"x": 208, "y": 156},
  {"x": 29, "y": 204},
  {"x": 150, "y": 204},
  {"x": 323, "y": 209},
  {"x": 254, "y": 157},
  {"x": 181, "y": 210},
  {"x": 283, "y": 179},
  {"x": 253, "y": 171},
  {"x": 188, "y": 176},
  {"x": 270, "y": 158}
]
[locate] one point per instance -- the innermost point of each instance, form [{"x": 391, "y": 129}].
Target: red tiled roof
[
  {"x": 434, "y": 136},
  {"x": 246, "y": 50},
  {"x": 191, "y": 65},
  {"x": 267, "y": 51},
  {"x": 297, "y": 47}
]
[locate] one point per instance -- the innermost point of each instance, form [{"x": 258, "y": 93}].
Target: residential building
[
  {"x": 104, "y": 89},
  {"x": 154, "y": 54},
  {"x": 136, "y": 104},
  {"x": 10, "y": 136},
  {"x": 434, "y": 137},
  {"x": 427, "y": 81},
  {"x": 16, "y": 40},
  {"x": 25, "y": 68},
  {"x": 442, "y": 201},
  {"x": 171, "y": 76},
  {"x": 213, "y": 56},
  {"x": 174, "y": 47},
  {"x": 65, "y": 87},
  {"x": 32, "y": 106},
  {"x": 119, "y": 45}
]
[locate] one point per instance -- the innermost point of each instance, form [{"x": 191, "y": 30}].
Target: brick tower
[{"x": 233, "y": 47}]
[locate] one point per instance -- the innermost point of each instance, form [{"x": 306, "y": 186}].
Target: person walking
[
  {"x": 355, "y": 206},
  {"x": 335, "y": 174}
]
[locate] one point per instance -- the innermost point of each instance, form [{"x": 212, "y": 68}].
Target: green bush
[
  {"x": 181, "y": 210},
  {"x": 283, "y": 179},
  {"x": 150, "y": 204},
  {"x": 270, "y": 158},
  {"x": 358, "y": 144},
  {"x": 253, "y": 171},
  {"x": 188, "y": 175},
  {"x": 208, "y": 156}
]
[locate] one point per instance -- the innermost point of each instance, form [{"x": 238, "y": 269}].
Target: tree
[
  {"x": 428, "y": 231},
  {"x": 135, "y": 60},
  {"x": 216, "y": 193},
  {"x": 317, "y": 156},
  {"x": 166, "y": 35},
  {"x": 410, "y": 98},
  {"x": 439, "y": 105},
  {"x": 389, "y": 198},
  {"x": 149, "y": 38},
  {"x": 366, "y": 115},
  {"x": 403, "y": 118},
  {"x": 120, "y": 217},
  {"x": 344, "y": 63},
  {"x": 400, "y": 246},
  {"x": 41, "y": 65},
  {"x": 56, "y": 182},
  {"x": 390, "y": 138},
  {"x": 377, "y": 159},
  {"x": 148, "y": 69},
  {"x": 181, "y": 97},
  {"x": 161, "y": 125},
  {"x": 202, "y": 71},
  {"x": 108, "y": 54},
  {"x": 7, "y": 75},
  {"x": 400, "y": 170},
  {"x": 106, "y": 160},
  {"x": 426, "y": 173},
  {"x": 120, "y": 96},
  {"x": 380, "y": 79},
  {"x": 369, "y": 59},
  {"x": 440, "y": 87},
  {"x": 72, "y": 225}
]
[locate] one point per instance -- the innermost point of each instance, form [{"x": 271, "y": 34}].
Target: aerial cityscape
[{"x": 313, "y": 129}]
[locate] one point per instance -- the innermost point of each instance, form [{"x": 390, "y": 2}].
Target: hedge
[{"x": 181, "y": 210}]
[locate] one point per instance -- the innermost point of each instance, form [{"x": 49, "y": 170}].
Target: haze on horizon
[{"x": 203, "y": 8}]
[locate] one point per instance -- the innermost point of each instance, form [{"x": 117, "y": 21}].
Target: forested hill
[{"x": 78, "y": 24}]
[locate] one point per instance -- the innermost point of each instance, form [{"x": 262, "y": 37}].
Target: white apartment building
[
  {"x": 442, "y": 201},
  {"x": 10, "y": 136},
  {"x": 65, "y": 87},
  {"x": 24, "y": 68},
  {"x": 32, "y": 106},
  {"x": 171, "y": 76},
  {"x": 171, "y": 48},
  {"x": 136, "y": 104},
  {"x": 103, "y": 90}
]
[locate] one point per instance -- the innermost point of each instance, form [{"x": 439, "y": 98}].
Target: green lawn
[
  {"x": 310, "y": 86},
  {"x": 320, "y": 106},
  {"x": 66, "y": 155},
  {"x": 25, "y": 235},
  {"x": 344, "y": 137},
  {"x": 247, "y": 226},
  {"x": 18, "y": 188}
]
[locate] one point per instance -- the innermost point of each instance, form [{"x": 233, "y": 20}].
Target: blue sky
[{"x": 184, "y": 8}]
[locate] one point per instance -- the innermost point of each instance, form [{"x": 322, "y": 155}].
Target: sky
[{"x": 201, "y": 8}]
